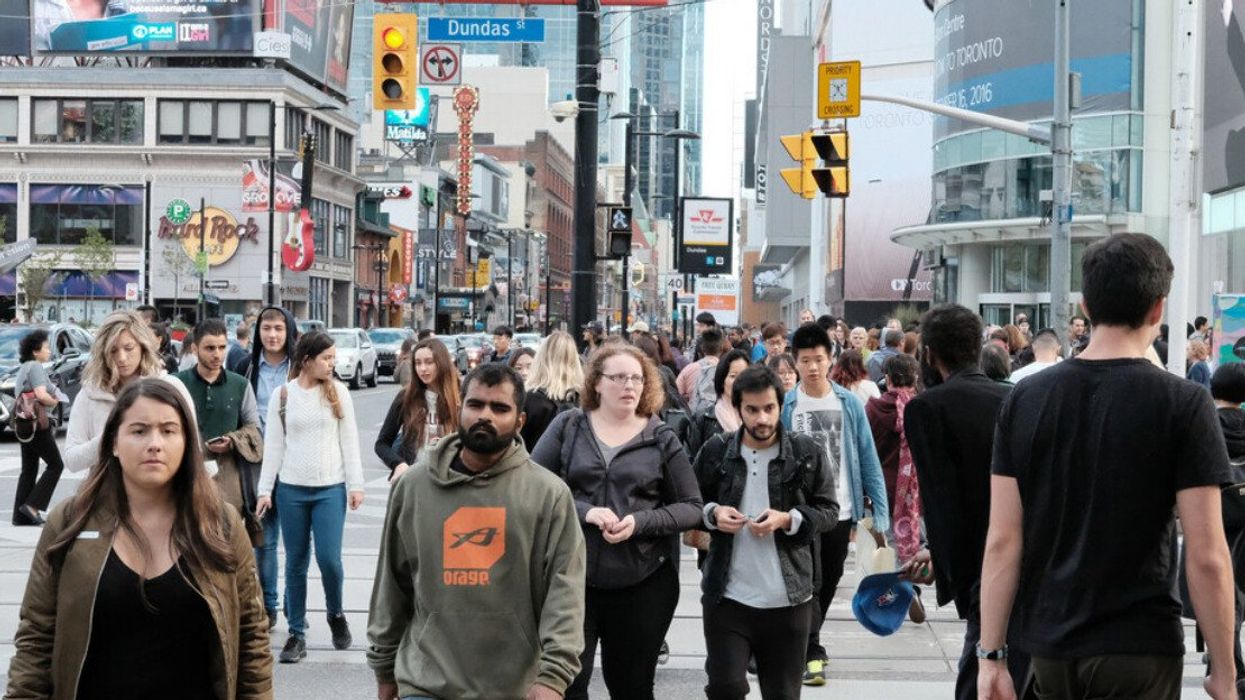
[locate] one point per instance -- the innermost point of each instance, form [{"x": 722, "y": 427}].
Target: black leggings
[
  {"x": 832, "y": 549},
  {"x": 29, "y": 493},
  {"x": 630, "y": 624}
]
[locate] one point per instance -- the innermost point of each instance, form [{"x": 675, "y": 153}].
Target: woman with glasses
[
  {"x": 634, "y": 491},
  {"x": 423, "y": 412},
  {"x": 784, "y": 366}
]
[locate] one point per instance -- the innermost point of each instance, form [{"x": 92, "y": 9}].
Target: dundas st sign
[{"x": 221, "y": 237}]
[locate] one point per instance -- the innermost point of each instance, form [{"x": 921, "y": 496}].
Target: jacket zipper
[{"x": 90, "y": 625}]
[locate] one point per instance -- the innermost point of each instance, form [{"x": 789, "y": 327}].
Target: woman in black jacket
[
  {"x": 634, "y": 491},
  {"x": 552, "y": 385},
  {"x": 721, "y": 417},
  {"x": 422, "y": 413}
]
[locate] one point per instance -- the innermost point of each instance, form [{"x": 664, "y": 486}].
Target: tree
[
  {"x": 95, "y": 257},
  {"x": 176, "y": 265},
  {"x": 34, "y": 275}
]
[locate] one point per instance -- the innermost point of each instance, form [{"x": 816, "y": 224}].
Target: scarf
[
  {"x": 906, "y": 520},
  {"x": 727, "y": 416}
]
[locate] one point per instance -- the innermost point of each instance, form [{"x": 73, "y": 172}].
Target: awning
[{"x": 74, "y": 283}]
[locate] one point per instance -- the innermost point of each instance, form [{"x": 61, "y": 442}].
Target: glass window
[
  {"x": 130, "y": 121},
  {"x": 1037, "y": 268},
  {"x": 103, "y": 121},
  {"x": 43, "y": 222},
  {"x": 228, "y": 122},
  {"x": 172, "y": 121},
  {"x": 8, "y": 120},
  {"x": 257, "y": 123},
  {"x": 199, "y": 122},
  {"x": 73, "y": 121}
]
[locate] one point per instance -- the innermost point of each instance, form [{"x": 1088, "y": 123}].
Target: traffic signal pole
[
  {"x": 588, "y": 59},
  {"x": 628, "y": 185},
  {"x": 1061, "y": 182}
]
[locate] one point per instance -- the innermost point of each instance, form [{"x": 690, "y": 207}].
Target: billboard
[
  {"x": 319, "y": 39},
  {"x": 995, "y": 57},
  {"x": 145, "y": 26},
  {"x": 767, "y": 283},
  {"x": 1223, "y": 116},
  {"x": 255, "y": 186},
  {"x": 15, "y": 30},
  {"x": 409, "y": 125},
  {"x": 1228, "y": 319},
  {"x": 706, "y": 226},
  {"x": 719, "y": 297}
]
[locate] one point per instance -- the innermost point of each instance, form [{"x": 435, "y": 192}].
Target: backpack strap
[
  {"x": 570, "y": 432},
  {"x": 285, "y": 396}
]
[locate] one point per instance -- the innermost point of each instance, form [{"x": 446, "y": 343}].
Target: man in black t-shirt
[{"x": 1090, "y": 456}]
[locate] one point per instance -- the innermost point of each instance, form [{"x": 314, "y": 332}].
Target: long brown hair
[
  {"x": 309, "y": 347},
  {"x": 199, "y": 531},
  {"x": 849, "y": 369},
  {"x": 653, "y": 396},
  {"x": 415, "y": 406}
]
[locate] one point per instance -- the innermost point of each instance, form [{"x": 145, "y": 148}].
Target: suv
[
  {"x": 388, "y": 342},
  {"x": 71, "y": 348},
  {"x": 470, "y": 350},
  {"x": 356, "y": 357}
]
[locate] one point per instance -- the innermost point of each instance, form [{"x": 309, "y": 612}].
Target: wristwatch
[{"x": 993, "y": 654}]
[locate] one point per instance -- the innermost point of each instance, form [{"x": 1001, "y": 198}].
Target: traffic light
[
  {"x": 619, "y": 239},
  {"x": 833, "y": 180},
  {"x": 395, "y": 60}
]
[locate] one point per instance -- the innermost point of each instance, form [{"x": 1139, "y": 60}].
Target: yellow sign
[
  {"x": 483, "y": 268},
  {"x": 838, "y": 90},
  {"x": 221, "y": 237}
]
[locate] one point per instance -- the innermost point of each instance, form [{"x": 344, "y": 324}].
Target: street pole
[
  {"x": 146, "y": 290},
  {"x": 510, "y": 275},
  {"x": 548, "y": 290},
  {"x": 202, "y": 253},
  {"x": 1184, "y": 187},
  {"x": 588, "y": 59},
  {"x": 1061, "y": 156},
  {"x": 628, "y": 184},
  {"x": 270, "y": 290}
]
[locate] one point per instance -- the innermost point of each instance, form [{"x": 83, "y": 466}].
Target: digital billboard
[
  {"x": 15, "y": 29},
  {"x": 145, "y": 26},
  {"x": 996, "y": 57},
  {"x": 319, "y": 39},
  {"x": 409, "y": 125},
  {"x": 1223, "y": 118}
]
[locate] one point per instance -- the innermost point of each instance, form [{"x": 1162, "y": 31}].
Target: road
[{"x": 916, "y": 663}]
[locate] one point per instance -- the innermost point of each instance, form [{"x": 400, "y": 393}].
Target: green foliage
[
  {"x": 94, "y": 256},
  {"x": 34, "y": 275}
]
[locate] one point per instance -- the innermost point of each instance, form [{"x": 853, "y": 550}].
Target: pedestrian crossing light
[
  {"x": 619, "y": 239},
  {"x": 395, "y": 59},
  {"x": 832, "y": 177}
]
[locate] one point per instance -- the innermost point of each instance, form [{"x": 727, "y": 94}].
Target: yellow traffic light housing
[
  {"x": 395, "y": 59},
  {"x": 833, "y": 180}
]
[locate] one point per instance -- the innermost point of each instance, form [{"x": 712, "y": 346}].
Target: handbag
[{"x": 29, "y": 415}]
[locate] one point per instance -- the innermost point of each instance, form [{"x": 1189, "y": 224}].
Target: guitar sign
[{"x": 298, "y": 251}]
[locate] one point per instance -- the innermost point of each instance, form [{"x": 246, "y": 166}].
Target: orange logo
[{"x": 473, "y": 540}]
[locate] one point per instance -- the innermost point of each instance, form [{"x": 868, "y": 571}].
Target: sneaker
[
  {"x": 272, "y": 619},
  {"x": 341, "y": 632},
  {"x": 295, "y": 650},
  {"x": 815, "y": 673},
  {"x": 752, "y": 665},
  {"x": 663, "y": 655},
  {"x": 916, "y": 611}
]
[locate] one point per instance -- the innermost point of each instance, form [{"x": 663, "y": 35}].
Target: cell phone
[{"x": 217, "y": 439}]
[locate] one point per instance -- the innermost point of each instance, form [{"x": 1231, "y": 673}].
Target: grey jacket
[
  {"x": 650, "y": 478},
  {"x": 799, "y": 479}
]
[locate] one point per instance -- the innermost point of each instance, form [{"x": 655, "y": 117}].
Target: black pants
[
  {"x": 37, "y": 495},
  {"x": 630, "y": 623},
  {"x": 733, "y": 632},
  {"x": 1133, "y": 677},
  {"x": 832, "y": 551},
  {"x": 966, "y": 681}
]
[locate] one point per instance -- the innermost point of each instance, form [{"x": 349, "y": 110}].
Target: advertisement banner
[
  {"x": 255, "y": 187},
  {"x": 1223, "y": 118},
  {"x": 408, "y": 256},
  {"x": 707, "y": 225},
  {"x": 319, "y": 39},
  {"x": 767, "y": 283},
  {"x": 145, "y": 26},
  {"x": 409, "y": 125},
  {"x": 1228, "y": 327},
  {"x": 995, "y": 57},
  {"x": 15, "y": 30},
  {"x": 719, "y": 297}
]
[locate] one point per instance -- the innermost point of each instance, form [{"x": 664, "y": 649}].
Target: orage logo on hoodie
[{"x": 473, "y": 540}]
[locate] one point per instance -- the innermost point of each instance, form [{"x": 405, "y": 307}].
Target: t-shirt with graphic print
[{"x": 822, "y": 420}]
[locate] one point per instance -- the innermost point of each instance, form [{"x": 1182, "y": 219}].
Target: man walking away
[
  {"x": 758, "y": 582},
  {"x": 1045, "y": 355},
  {"x": 695, "y": 382},
  {"x": 892, "y": 340},
  {"x": 1090, "y": 458},
  {"x": 479, "y": 589},
  {"x": 950, "y": 431},
  {"x": 239, "y": 357}
]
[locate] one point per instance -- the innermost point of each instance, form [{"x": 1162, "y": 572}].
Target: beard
[
  {"x": 930, "y": 376},
  {"x": 761, "y": 433},
  {"x": 483, "y": 438}
]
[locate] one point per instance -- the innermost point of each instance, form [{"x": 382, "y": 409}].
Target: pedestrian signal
[
  {"x": 833, "y": 179},
  {"x": 395, "y": 60}
]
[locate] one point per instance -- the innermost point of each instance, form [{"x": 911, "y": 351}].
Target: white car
[{"x": 356, "y": 357}]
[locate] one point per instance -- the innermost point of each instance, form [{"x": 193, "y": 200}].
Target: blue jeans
[
  {"x": 306, "y": 512},
  {"x": 266, "y": 558}
]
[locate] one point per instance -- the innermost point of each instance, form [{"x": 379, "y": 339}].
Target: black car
[
  {"x": 388, "y": 342},
  {"x": 71, "y": 348}
]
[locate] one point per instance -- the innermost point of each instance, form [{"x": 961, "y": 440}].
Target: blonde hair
[
  {"x": 653, "y": 394},
  {"x": 99, "y": 371},
  {"x": 556, "y": 370},
  {"x": 1198, "y": 350}
]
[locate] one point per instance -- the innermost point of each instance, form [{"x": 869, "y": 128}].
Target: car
[
  {"x": 388, "y": 342},
  {"x": 356, "y": 357},
  {"x": 470, "y": 350},
  {"x": 71, "y": 348},
  {"x": 306, "y": 326},
  {"x": 527, "y": 340}
]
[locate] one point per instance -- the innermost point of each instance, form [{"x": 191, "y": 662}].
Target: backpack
[{"x": 704, "y": 394}]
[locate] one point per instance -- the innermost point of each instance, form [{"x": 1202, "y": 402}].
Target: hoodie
[
  {"x": 479, "y": 588},
  {"x": 883, "y": 418},
  {"x": 257, "y": 344}
]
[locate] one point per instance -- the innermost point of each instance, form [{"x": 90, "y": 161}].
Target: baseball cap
[
  {"x": 638, "y": 327},
  {"x": 881, "y": 602},
  {"x": 595, "y": 326}
]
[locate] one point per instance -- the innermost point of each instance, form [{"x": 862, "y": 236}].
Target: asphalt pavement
[{"x": 916, "y": 663}]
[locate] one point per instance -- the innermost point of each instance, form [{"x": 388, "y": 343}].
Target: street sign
[
  {"x": 838, "y": 90},
  {"x": 519, "y": 29},
  {"x": 177, "y": 212},
  {"x": 675, "y": 283},
  {"x": 131, "y": 291},
  {"x": 216, "y": 284},
  {"x": 441, "y": 64},
  {"x": 15, "y": 254}
]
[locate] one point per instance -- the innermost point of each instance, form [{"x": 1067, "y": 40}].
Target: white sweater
[{"x": 312, "y": 448}]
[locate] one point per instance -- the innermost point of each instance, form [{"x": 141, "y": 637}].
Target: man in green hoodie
[{"x": 488, "y": 543}]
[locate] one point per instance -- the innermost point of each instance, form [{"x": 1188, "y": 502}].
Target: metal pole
[
  {"x": 548, "y": 290},
  {"x": 270, "y": 290},
  {"x": 147, "y": 246},
  {"x": 588, "y": 59},
  {"x": 510, "y": 275},
  {"x": 1061, "y": 156},
  {"x": 202, "y": 252},
  {"x": 436, "y": 266},
  {"x": 1184, "y": 187},
  {"x": 628, "y": 184}
]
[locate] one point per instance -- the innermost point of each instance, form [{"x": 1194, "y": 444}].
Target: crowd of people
[{"x": 540, "y": 505}]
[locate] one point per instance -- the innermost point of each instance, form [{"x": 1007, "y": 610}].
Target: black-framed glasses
[{"x": 624, "y": 379}]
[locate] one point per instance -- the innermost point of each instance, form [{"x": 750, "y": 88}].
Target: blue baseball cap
[{"x": 881, "y": 602}]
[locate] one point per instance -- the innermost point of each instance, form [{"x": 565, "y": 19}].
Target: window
[
  {"x": 343, "y": 151},
  {"x": 321, "y": 212},
  {"x": 205, "y": 122},
  {"x": 8, "y": 211},
  {"x": 63, "y": 214},
  {"x": 87, "y": 121},
  {"x": 8, "y": 120},
  {"x": 1025, "y": 267},
  {"x": 324, "y": 141},
  {"x": 341, "y": 232},
  {"x": 293, "y": 127}
]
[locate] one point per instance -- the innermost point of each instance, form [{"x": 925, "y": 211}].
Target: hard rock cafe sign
[{"x": 222, "y": 235}]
